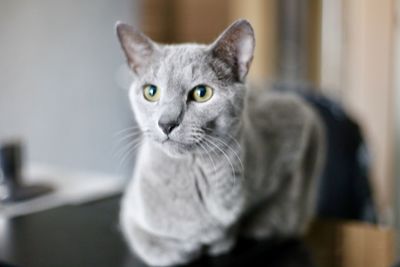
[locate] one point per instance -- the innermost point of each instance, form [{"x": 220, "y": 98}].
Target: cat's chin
[{"x": 175, "y": 149}]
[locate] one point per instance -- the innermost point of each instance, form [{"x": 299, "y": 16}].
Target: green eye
[
  {"x": 151, "y": 92},
  {"x": 202, "y": 93}
]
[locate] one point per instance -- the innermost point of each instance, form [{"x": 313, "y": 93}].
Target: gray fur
[{"x": 244, "y": 162}]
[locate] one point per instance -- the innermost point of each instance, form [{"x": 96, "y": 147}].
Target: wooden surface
[{"x": 351, "y": 244}]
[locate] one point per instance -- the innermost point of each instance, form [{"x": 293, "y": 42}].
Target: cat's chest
[
  {"x": 171, "y": 199},
  {"x": 169, "y": 194}
]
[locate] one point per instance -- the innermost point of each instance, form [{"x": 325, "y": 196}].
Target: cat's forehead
[
  {"x": 183, "y": 54},
  {"x": 182, "y": 63}
]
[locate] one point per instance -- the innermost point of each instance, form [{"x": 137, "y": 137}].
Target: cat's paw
[
  {"x": 221, "y": 246},
  {"x": 164, "y": 257},
  {"x": 159, "y": 251}
]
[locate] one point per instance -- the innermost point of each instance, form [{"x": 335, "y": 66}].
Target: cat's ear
[
  {"x": 138, "y": 48},
  {"x": 235, "y": 47}
]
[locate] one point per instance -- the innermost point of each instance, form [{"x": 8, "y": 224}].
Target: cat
[{"x": 216, "y": 160}]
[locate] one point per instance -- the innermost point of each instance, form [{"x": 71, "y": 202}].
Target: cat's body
[{"x": 238, "y": 163}]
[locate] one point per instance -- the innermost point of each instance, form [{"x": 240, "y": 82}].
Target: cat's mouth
[
  {"x": 175, "y": 146},
  {"x": 169, "y": 140}
]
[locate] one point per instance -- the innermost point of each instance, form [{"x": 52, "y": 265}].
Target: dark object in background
[
  {"x": 10, "y": 175},
  {"x": 344, "y": 190}
]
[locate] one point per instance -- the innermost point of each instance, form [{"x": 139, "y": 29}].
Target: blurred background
[
  {"x": 58, "y": 90},
  {"x": 63, "y": 84}
]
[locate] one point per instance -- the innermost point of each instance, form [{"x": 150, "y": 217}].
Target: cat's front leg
[{"x": 157, "y": 250}]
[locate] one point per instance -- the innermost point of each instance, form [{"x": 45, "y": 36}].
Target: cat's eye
[
  {"x": 201, "y": 93},
  {"x": 151, "y": 92}
]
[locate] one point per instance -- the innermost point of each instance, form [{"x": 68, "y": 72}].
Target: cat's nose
[{"x": 168, "y": 126}]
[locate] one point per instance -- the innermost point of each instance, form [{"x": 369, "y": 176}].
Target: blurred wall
[
  {"x": 357, "y": 68},
  {"x": 58, "y": 62},
  {"x": 396, "y": 101}
]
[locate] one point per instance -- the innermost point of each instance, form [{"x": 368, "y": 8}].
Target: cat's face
[{"x": 189, "y": 98}]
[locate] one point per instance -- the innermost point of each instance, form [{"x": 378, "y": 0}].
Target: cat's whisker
[
  {"x": 123, "y": 136},
  {"x": 121, "y": 152},
  {"x": 226, "y": 156},
  {"x": 198, "y": 142},
  {"x": 229, "y": 136},
  {"x": 119, "y": 148},
  {"x": 228, "y": 146},
  {"x": 234, "y": 140},
  {"x": 212, "y": 148},
  {"x": 130, "y": 151},
  {"x": 128, "y": 129},
  {"x": 214, "y": 141},
  {"x": 129, "y": 136}
]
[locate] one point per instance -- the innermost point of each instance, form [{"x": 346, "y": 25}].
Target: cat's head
[{"x": 187, "y": 96}]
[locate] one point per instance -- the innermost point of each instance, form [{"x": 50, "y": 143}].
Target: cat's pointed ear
[
  {"x": 138, "y": 48},
  {"x": 235, "y": 47}
]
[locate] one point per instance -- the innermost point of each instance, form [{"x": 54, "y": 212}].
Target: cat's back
[
  {"x": 281, "y": 129},
  {"x": 270, "y": 111}
]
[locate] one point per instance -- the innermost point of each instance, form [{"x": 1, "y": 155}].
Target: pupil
[
  {"x": 201, "y": 91},
  {"x": 152, "y": 90}
]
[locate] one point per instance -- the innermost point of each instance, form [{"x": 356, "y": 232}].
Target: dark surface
[
  {"x": 77, "y": 236},
  {"x": 88, "y": 235}
]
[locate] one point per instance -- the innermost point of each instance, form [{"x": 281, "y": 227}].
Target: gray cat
[{"x": 216, "y": 160}]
